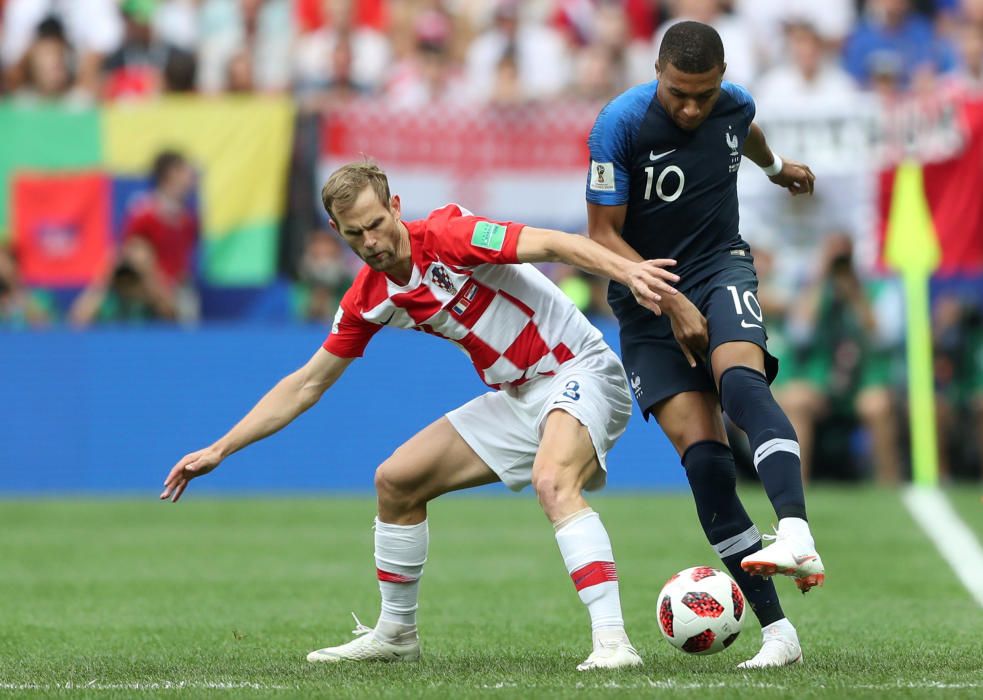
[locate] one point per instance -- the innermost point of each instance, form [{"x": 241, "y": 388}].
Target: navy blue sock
[
  {"x": 712, "y": 475},
  {"x": 746, "y": 398}
]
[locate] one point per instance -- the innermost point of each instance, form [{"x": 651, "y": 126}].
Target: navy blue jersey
[{"x": 680, "y": 186}]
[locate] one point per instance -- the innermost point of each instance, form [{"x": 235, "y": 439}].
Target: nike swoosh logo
[
  {"x": 733, "y": 548},
  {"x": 745, "y": 324},
  {"x": 653, "y": 156},
  {"x": 386, "y": 322}
]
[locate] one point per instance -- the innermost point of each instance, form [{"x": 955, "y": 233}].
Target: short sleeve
[
  {"x": 350, "y": 333},
  {"x": 744, "y": 100},
  {"x": 610, "y": 147},
  {"x": 467, "y": 241}
]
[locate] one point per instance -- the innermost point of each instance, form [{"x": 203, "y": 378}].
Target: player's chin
[
  {"x": 689, "y": 125},
  {"x": 379, "y": 262}
]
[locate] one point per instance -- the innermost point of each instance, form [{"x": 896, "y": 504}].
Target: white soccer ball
[{"x": 701, "y": 610}]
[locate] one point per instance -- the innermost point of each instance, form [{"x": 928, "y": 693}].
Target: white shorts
[{"x": 505, "y": 427}]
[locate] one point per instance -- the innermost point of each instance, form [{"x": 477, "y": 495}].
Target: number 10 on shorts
[{"x": 750, "y": 302}]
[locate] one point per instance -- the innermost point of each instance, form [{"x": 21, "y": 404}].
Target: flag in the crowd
[
  {"x": 61, "y": 228},
  {"x": 240, "y": 147}
]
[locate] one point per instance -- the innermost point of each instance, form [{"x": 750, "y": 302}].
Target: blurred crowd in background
[
  {"x": 835, "y": 323},
  {"x": 420, "y": 51}
]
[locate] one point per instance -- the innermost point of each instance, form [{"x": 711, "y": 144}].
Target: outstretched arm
[
  {"x": 647, "y": 279},
  {"x": 797, "y": 178},
  {"x": 292, "y": 395}
]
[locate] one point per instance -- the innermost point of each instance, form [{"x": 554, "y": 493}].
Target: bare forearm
[
  {"x": 284, "y": 402},
  {"x": 595, "y": 258},
  {"x": 756, "y": 147},
  {"x": 613, "y": 241}
]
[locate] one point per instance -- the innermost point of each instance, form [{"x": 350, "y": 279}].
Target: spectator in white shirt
[
  {"x": 94, "y": 28},
  {"x": 810, "y": 77},
  {"x": 540, "y": 53}
]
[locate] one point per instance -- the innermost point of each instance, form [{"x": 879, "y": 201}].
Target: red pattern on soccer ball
[
  {"x": 738, "y": 598},
  {"x": 703, "y": 604},
  {"x": 666, "y": 616},
  {"x": 699, "y": 642},
  {"x": 671, "y": 579},
  {"x": 702, "y": 572}
]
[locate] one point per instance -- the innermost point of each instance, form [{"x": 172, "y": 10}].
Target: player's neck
[{"x": 402, "y": 269}]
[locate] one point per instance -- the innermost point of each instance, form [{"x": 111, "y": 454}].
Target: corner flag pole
[{"x": 912, "y": 249}]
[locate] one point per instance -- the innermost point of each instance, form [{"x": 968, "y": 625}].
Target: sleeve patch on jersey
[
  {"x": 488, "y": 235},
  {"x": 602, "y": 177}
]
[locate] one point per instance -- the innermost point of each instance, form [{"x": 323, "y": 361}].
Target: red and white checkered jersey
[{"x": 468, "y": 286}]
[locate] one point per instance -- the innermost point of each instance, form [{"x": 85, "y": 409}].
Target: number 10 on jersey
[{"x": 650, "y": 176}]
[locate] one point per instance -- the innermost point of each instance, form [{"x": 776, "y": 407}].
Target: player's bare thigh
[
  {"x": 689, "y": 418},
  {"x": 434, "y": 461},
  {"x": 738, "y": 353},
  {"x": 565, "y": 463}
]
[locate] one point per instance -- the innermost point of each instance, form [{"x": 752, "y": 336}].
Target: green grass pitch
[{"x": 223, "y": 598}]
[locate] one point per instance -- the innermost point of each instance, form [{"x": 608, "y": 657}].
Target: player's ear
[
  {"x": 333, "y": 224},
  {"x": 395, "y": 206},
  {"x": 658, "y": 70},
  {"x": 723, "y": 69}
]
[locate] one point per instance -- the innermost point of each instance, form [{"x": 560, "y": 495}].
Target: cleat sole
[
  {"x": 767, "y": 569},
  {"x": 807, "y": 583}
]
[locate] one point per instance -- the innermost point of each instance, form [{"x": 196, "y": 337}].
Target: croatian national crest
[{"x": 442, "y": 279}]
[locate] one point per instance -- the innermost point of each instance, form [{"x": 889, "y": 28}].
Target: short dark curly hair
[{"x": 692, "y": 47}]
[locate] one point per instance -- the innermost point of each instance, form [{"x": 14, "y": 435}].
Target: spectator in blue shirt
[{"x": 892, "y": 37}]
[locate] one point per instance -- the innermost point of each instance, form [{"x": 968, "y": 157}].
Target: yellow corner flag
[{"x": 912, "y": 249}]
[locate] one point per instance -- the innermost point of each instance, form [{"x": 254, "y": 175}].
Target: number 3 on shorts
[{"x": 572, "y": 390}]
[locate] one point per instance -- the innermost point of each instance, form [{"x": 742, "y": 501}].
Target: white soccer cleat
[
  {"x": 367, "y": 646},
  {"x": 790, "y": 556},
  {"x": 780, "y": 647},
  {"x": 611, "y": 651}
]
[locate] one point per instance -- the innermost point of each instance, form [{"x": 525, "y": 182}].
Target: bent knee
[
  {"x": 556, "y": 485},
  {"x": 393, "y": 491}
]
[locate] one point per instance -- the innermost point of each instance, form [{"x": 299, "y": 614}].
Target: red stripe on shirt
[
  {"x": 419, "y": 303},
  {"x": 528, "y": 348},
  {"x": 562, "y": 353},
  {"x": 518, "y": 302},
  {"x": 482, "y": 354},
  {"x": 475, "y": 307},
  {"x": 594, "y": 573}
]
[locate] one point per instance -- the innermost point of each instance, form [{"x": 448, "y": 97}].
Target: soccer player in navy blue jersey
[{"x": 663, "y": 184}]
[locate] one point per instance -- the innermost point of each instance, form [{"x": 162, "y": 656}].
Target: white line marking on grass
[
  {"x": 744, "y": 683},
  {"x": 162, "y": 685},
  {"x": 955, "y": 541}
]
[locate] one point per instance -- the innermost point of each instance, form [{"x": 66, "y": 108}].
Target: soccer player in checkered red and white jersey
[{"x": 560, "y": 398}]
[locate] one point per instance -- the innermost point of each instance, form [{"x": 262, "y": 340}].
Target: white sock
[
  {"x": 400, "y": 553},
  {"x": 586, "y": 551},
  {"x": 797, "y": 528}
]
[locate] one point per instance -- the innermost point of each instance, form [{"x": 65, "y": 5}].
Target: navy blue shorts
[{"x": 656, "y": 366}]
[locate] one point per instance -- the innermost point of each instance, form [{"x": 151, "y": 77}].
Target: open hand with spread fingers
[{"x": 649, "y": 280}]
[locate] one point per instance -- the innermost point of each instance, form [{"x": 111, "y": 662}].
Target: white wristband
[{"x": 775, "y": 168}]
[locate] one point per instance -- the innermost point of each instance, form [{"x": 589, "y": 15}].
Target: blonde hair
[{"x": 347, "y": 182}]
